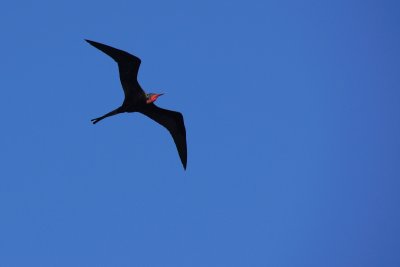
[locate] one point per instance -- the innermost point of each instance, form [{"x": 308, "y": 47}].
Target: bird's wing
[
  {"x": 174, "y": 123},
  {"x": 128, "y": 66}
]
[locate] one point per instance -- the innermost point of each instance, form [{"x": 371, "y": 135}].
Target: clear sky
[{"x": 292, "y": 117}]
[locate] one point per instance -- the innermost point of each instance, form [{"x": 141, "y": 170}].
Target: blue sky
[{"x": 292, "y": 117}]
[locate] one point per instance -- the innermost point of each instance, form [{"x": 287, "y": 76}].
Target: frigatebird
[{"x": 136, "y": 100}]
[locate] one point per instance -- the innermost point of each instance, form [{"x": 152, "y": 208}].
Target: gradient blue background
[{"x": 292, "y": 116}]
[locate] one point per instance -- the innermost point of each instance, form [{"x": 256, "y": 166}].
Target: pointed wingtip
[
  {"x": 89, "y": 41},
  {"x": 184, "y": 163},
  {"x": 93, "y": 43}
]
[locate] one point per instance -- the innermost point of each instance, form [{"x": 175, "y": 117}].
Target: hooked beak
[
  {"x": 157, "y": 96},
  {"x": 153, "y": 98}
]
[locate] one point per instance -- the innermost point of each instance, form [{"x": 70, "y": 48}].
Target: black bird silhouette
[{"x": 136, "y": 100}]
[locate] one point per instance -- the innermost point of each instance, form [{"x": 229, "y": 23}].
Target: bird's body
[{"x": 136, "y": 100}]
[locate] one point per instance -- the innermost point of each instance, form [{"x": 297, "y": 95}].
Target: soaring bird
[{"x": 136, "y": 100}]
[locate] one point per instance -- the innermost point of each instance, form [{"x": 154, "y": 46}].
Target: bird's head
[{"x": 150, "y": 98}]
